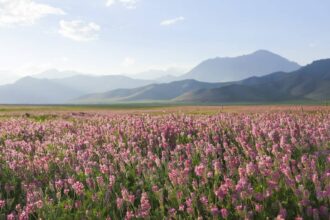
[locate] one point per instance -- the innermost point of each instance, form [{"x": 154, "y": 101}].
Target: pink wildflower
[
  {"x": 199, "y": 170},
  {"x": 78, "y": 188},
  {"x": 224, "y": 213}
]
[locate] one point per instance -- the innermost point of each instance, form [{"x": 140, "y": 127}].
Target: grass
[{"x": 40, "y": 111}]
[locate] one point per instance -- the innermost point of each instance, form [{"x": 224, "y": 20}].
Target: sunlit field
[{"x": 156, "y": 162}]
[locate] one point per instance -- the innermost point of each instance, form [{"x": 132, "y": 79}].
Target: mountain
[
  {"x": 311, "y": 82},
  {"x": 29, "y": 90},
  {"x": 164, "y": 91},
  {"x": 94, "y": 84},
  {"x": 88, "y": 83},
  {"x": 227, "y": 69}
]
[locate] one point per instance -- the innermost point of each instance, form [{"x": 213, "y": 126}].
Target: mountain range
[
  {"x": 311, "y": 82},
  {"x": 30, "y": 90},
  {"x": 154, "y": 92},
  {"x": 257, "y": 77}
]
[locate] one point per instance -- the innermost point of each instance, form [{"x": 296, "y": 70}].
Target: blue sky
[{"x": 127, "y": 36}]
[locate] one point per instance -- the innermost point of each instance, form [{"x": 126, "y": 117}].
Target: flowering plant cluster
[{"x": 173, "y": 166}]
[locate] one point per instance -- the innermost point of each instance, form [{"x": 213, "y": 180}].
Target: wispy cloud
[
  {"x": 78, "y": 30},
  {"x": 129, "y": 4},
  {"x": 24, "y": 12},
  {"x": 172, "y": 21},
  {"x": 110, "y": 3}
]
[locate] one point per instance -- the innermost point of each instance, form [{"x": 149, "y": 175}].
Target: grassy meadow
[{"x": 161, "y": 162}]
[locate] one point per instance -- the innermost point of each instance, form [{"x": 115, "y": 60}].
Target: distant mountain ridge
[
  {"x": 30, "y": 90},
  {"x": 93, "y": 84},
  {"x": 164, "y": 91},
  {"x": 227, "y": 69},
  {"x": 311, "y": 82}
]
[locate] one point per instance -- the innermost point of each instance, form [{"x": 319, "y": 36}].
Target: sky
[{"x": 129, "y": 36}]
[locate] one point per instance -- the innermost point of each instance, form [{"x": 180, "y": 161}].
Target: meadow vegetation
[{"x": 232, "y": 162}]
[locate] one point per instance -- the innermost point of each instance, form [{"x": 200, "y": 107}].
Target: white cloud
[
  {"x": 110, "y": 3},
  {"x": 24, "y": 12},
  {"x": 172, "y": 21},
  {"x": 78, "y": 30},
  {"x": 128, "y": 61},
  {"x": 129, "y": 4}
]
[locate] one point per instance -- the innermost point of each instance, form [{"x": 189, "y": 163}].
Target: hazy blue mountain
[
  {"x": 227, "y": 69},
  {"x": 88, "y": 83},
  {"x": 164, "y": 91},
  {"x": 311, "y": 82},
  {"x": 29, "y": 90},
  {"x": 94, "y": 84}
]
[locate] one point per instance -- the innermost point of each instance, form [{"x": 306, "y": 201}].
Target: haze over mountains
[
  {"x": 30, "y": 90},
  {"x": 56, "y": 74},
  {"x": 258, "y": 77}
]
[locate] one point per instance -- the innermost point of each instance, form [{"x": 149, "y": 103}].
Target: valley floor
[{"x": 159, "y": 108}]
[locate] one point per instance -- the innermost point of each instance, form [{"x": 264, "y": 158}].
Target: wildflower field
[{"x": 166, "y": 165}]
